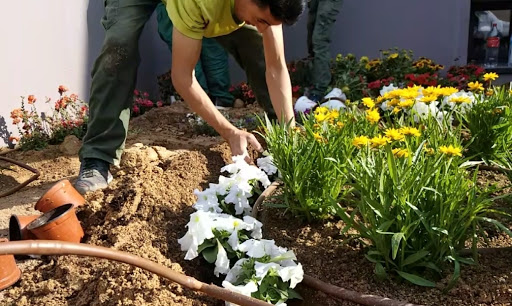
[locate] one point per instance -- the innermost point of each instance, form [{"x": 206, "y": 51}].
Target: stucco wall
[{"x": 48, "y": 43}]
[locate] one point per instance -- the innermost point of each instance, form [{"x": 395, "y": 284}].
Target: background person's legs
[
  {"x": 214, "y": 60},
  {"x": 165, "y": 31},
  {"x": 320, "y": 23},
  {"x": 246, "y": 46}
]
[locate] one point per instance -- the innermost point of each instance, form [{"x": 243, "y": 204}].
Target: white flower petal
[{"x": 294, "y": 274}]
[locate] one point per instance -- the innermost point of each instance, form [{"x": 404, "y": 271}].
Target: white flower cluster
[{"x": 209, "y": 218}]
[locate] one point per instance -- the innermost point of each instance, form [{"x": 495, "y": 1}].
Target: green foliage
[
  {"x": 306, "y": 155},
  {"x": 348, "y": 75},
  {"x": 489, "y": 124}
]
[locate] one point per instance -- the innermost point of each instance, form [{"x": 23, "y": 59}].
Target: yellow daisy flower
[
  {"x": 393, "y": 55},
  {"x": 460, "y": 99},
  {"x": 475, "y": 86},
  {"x": 450, "y": 150},
  {"x": 372, "y": 115},
  {"x": 394, "y": 134},
  {"x": 368, "y": 102},
  {"x": 406, "y": 103},
  {"x": 448, "y": 91},
  {"x": 379, "y": 141},
  {"x": 490, "y": 76},
  {"x": 428, "y": 99},
  {"x": 361, "y": 141},
  {"x": 400, "y": 152},
  {"x": 410, "y": 131}
]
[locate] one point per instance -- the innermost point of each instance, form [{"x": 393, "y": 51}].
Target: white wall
[{"x": 44, "y": 46}]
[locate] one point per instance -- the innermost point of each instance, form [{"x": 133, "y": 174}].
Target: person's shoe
[{"x": 94, "y": 175}]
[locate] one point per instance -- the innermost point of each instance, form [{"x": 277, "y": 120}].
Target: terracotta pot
[
  {"x": 18, "y": 227},
  {"x": 59, "y": 223},
  {"x": 9, "y": 271},
  {"x": 61, "y": 193}
]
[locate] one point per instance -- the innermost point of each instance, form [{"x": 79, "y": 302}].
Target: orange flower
[
  {"x": 31, "y": 99},
  {"x": 14, "y": 138},
  {"x": 62, "y": 89},
  {"x": 16, "y": 113}
]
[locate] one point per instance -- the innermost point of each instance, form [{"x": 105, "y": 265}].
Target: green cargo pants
[
  {"x": 321, "y": 18},
  {"x": 115, "y": 72},
  {"x": 212, "y": 70}
]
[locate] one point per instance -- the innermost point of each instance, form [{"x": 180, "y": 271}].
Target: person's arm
[
  {"x": 185, "y": 54},
  {"x": 278, "y": 78}
]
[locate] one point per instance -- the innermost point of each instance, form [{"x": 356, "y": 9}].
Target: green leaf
[
  {"x": 498, "y": 224},
  {"x": 380, "y": 271},
  {"x": 415, "y": 257},
  {"x": 206, "y": 244},
  {"x": 395, "y": 243},
  {"x": 210, "y": 254},
  {"x": 415, "y": 279}
]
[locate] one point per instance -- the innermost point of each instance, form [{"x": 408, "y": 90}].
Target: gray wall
[{"x": 436, "y": 29}]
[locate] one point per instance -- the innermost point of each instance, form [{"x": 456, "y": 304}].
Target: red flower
[
  {"x": 31, "y": 99},
  {"x": 136, "y": 92},
  {"x": 374, "y": 85},
  {"x": 295, "y": 88},
  {"x": 159, "y": 103},
  {"x": 73, "y": 97},
  {"x": 14, "y": 138},
  {"x": 62, "y": 89},
  {"x": 146, "y": 94},
  {"x": 136, "y": 109}
]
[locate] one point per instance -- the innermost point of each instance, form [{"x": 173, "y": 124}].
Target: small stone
[
  {"x": 239, "y": 103},
  {"x": 158, "y": 130},
  {"x": 151, "y": 154},
  {"x": 163, "y": 153},
  {"x": 138, "y": 145},
  {"x": 71, "y": 145}
]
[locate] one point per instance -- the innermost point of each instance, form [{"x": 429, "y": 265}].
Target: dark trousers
[{"x": 321, "y": 18}]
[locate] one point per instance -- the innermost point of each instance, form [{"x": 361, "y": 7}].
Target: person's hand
[{"x": 238, "y": 141}]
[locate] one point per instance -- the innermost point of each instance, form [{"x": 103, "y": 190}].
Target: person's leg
[
  {"x": 312, "y": 9},
  {"x": 246, "y": 46},
  {"x": 326, "y": 14},
  {"x": 113, "y": 81},
  {"x": 165, "y": 31},
  {"x": 214, "y": 60}
]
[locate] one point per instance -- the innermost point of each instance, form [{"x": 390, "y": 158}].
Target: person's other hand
[{"x": 238, "y": 142}]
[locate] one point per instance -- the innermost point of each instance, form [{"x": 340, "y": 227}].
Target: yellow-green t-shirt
[{"x": 202, "y": 18}]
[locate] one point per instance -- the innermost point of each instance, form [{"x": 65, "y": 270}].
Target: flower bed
[{"x": 395, "y": 170}]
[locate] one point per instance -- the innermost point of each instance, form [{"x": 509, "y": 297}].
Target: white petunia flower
[
  {"x": 386, "y": 89},
  {"x": 267, "y": 164},
  {"x": 207, "y": 200},
  {"x": 255, "y": 227},
  {"x": 238, "y": 164},
  {"x": 259, "y": 248},
  {"x": 222, "y": 262},
  {"x": 422, "y": 110},
  {"x": 240, "y": 198},
  {"x": 294, "y": 274},
  {"x": 263, "y": 268},
  {"x": 246, "y": 290},
  {"x": 199, "y": 229},
  {"x": 235, "y": 271}
]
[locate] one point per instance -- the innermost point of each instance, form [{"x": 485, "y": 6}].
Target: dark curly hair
[{"x": 286, "y": 11}]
